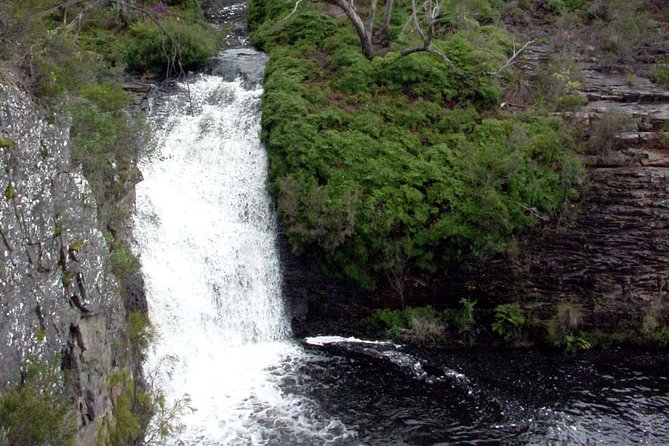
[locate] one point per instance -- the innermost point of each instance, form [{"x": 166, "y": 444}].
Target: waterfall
[{"x": 206, "y": 234}]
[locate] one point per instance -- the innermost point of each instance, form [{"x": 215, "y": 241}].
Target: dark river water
[{"x": 393, "y": 395}]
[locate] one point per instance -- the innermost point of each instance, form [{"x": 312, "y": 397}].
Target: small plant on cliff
[
  {"x": 124, "y": 262},
  {"x": 660, "y": 75},
  {"x": 142, "y": 415},
  {"x": 605, "y": 131},
  {"x": 565, "y": 328},
  {"x": 6, "y": 143},
  {"x": 414, "y": 325},
  {"x": 35, "y": 412},
  {"x": 463, "y": 319},
  {"x": 509, "y": 322}
]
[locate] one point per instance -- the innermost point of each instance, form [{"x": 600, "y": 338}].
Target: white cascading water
[{"x": 206, "y": 234}]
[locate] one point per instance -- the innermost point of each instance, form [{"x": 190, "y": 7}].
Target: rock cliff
[{"x": 58, "y": 297}]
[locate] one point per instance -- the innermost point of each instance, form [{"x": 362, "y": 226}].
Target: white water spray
[{"x": 206, "y": 234}]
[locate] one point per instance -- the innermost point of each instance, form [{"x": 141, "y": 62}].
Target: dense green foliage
[
  {"x": 149, "y": 48},
  {"x": 425, "y": 325},
  {"x": 35, "y": 412},
  {"x": 401, "y": 161},
  {"x": 509, "y": 322},
  {"x": 420, "y": 325}
]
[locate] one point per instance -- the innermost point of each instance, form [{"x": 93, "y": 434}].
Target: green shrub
[
  {"x": 141, "y": 334},
  {"x": 124, "y": 262},
  {"x": 621, "y": 30},
  {"x": 660, "y": 75},
  {"x": 574, "y": 343},
  {"x": 133, "y": 409},
  {"x": 605, "y": 131},
  {"x": 35, "y": 412},
  {"x": 415, "y": 325},
  {"x": 385, "y": 320},
  {"x": 147, "y": 48},
  {"x": 509, "y": 322},
  {"x": 463, "y": 319},
  {"x": 59, "y": 66},
  {"x": 565, "y": 328}
]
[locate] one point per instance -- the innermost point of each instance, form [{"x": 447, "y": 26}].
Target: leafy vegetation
[
  {"x": 565, "y": 329},
  {"x": 660, "y": 75},
  {"x": 605, "y": 131},
  {"x": 401, "y": 157},
  {"x": 420, "y": 325},
  {"x": 36, "y": 412},
  {"x": 149, "y": 48},
  {"x": 141, "y": 413},
  {"x": 509, "y": 322},
  {"x": 464, "y": 321}
]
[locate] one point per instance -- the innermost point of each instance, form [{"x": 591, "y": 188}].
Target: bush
[
  {"x": 420, "y": 325},
  {"x": 147, "y": 48},
  {"x": 35, "y": 412},
  {"x": 660, "y": 75},
  {"x": 605, "y": 131},
  {"x": 509, "y": 322},
  {"x": 124, "y": 262},
  {"x": 565, "y": 328},
  {"x": 621, "y": 30},
  {"x": 463, "y": 319},
  {"x": 400, "y": 153}
]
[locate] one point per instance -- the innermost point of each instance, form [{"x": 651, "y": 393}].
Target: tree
[{"x": 424, "y": 17}]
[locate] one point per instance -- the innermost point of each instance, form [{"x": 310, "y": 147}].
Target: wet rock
[{"x": 243, "y": 63}]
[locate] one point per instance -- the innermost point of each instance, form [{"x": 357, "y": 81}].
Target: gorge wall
[{"x": 59, "y": 300}]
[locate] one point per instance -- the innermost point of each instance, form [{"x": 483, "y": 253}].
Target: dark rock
[{"x": 135, "y": 293}]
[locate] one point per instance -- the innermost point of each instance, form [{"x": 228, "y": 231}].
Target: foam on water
[{"x": 206, "y": 234}]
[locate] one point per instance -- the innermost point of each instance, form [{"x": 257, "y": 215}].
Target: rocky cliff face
[
  {"x": 58, "y": 297},
  {"x": 612, "y": 259}
]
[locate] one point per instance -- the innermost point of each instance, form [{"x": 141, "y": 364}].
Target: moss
[
  {"x": 6, "y": 143},
  {"x": 10, "y": 193},
  {"x": 76, "y": 245}
]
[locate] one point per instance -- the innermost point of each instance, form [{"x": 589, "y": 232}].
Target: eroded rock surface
[
  {"x": 58, "y": 298},
  {"x": 612, "y": 258}
]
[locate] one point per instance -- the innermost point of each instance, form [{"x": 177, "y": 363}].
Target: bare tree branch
[
  {"x": 292, "y": 13},
  {"x": 88, "y": 8},
  {"x": 56, "y": 8},
  {"x": 414, "y": 16},
  {"x": 512, "y": 60}
]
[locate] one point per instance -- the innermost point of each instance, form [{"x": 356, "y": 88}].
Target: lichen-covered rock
[{"x": 58, "y": 297}]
